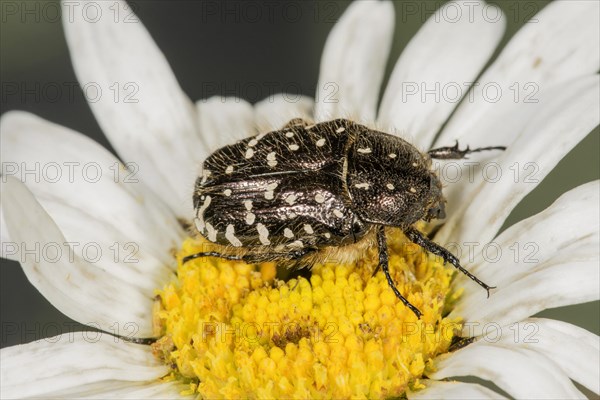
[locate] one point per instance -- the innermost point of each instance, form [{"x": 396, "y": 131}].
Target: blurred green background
[{"x": 237, "y": 54}]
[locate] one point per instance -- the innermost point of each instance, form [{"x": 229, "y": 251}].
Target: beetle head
[{"x": 436, "y": 205}]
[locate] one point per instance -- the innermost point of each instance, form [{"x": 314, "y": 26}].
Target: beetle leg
[
  {"x": 211, "y": 254},
  {"x": 384, "y": 264},
  {"x": 377, "y": 268},
  {"x": 253, "y": 258},
  {"x": 417, "y": 237},
  {"x": 250, "y": 258},
  {"x": 454, "y": 153}
]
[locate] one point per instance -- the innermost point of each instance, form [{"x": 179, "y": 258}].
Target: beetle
[{"x": 309, "y": 191}]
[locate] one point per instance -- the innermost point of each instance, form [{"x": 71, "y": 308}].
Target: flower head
[
  {"x": 227, "y": 329},
  {"x": 236, "y": 332}
]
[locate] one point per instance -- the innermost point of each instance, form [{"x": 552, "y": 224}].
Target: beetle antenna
[{"x": 454, "y": 153}]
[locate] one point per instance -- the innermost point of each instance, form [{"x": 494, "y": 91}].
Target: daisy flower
[{"x": 225, "y": 329}]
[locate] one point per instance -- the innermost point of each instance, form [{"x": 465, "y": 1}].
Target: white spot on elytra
[
  {"x": 287, "y": 232},
  {"x": 293, "y": 147},
  {"x": 229, "y": 169},
  {"x": 297, "y": 244},
  {"x": 338, "y": 213},
  {"x": 413, "y": 190},
  {"x": 250, "y": 217},
  {"x": 292, "y": 215},
  {"x": 327, "y": 235},
  {"x": 205, "y": 174},
  {"x": 319, "y": 198},
  {"x": 248, "y": 204},
  {"x": 227, "y": 192},
  {"x": 249, "y": 153},
  {"x": 230, "y": 235},
  {"x": 269, "y": 194},
  {"x": 252, "y": 143},
  {"x": 366, "y": 150},
  {"x": 212, "y": 232},
  {"x": 308, "y": 229},
  {"x": 392, "y": 155},
  {"x": 291, "y": 199},
  {"x": 263, "y": 234},
  {"x": 362, "y": 186},
  {"x": 415, "y": 164},
  {"x": 200, "y": 225},
  {"x": 340, "y": 129},
  {"x": 390, "y": 186},
  {"x": 271, "y": 161},
  {"x": 321, "y": 142},
  {"x": 289, "y": 134}
]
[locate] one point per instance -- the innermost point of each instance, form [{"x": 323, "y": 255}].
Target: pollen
[{"x": 232, "y": 330}]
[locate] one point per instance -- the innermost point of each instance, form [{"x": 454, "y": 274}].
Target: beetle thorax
[{"x": 391, "y": 182}]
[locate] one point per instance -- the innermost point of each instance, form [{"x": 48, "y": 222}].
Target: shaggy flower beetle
[{"x": 310, "y": 191}]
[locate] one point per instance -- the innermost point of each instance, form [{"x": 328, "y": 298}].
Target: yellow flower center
[{"x": 233, "y": 330}]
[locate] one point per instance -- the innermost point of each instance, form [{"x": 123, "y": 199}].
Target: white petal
[
  {"x": 223, "y": 121},
  {"x": 80, "y": 290},
  {"x": 154, "y": 390},
  {"x": 125, "y": 390},
  {"x": 75, "y": 359},
  {"x": 110, "y": 218},
  {"x": 573, "y": 349},
  {"x": 8, "y": 248},
  {"x": 141, "y": 108},
  {"x": 567, "y": 230},
  {"x": 353, "y": 62},
  {"x": 275, "y": 111},
  {"x": 552, "y": 285},
  {"x": 558, "y": 46},
  {"x": 560, "y": 43},
  {"x": 571, "y": 112},
  {"x": 437, "y": 67},
  {"x": 441, "y": 390},
  {"x": 522, "y": 373}
]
